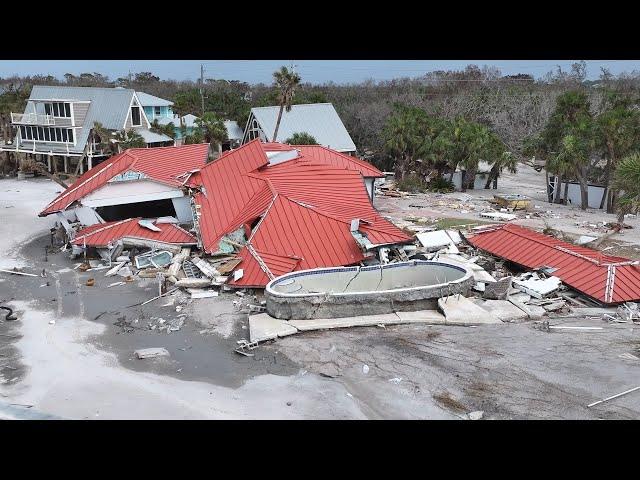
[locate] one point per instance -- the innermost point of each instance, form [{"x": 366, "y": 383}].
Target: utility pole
[{"x": 202, "y": 86}]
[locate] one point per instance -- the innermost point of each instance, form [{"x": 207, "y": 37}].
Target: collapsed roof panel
[
  {"x": 606, "y": 278},
  {"x": 305, "y": 208},
  {"x": 168, "y": 165},
  {"x": 103, "y": 234}
]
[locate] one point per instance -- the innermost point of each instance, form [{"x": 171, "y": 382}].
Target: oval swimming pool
[{"x": 349, "y": 291}]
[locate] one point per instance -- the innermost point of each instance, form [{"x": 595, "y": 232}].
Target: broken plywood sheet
[
  {"x": 459, "y": 310},
  {"x": 228, "y": 266},
  {"x": 264, "y": 327}
]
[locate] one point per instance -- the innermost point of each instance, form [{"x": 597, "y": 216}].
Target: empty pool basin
[{"x": 351, "y": 291}]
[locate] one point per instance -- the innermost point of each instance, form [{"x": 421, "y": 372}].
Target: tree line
[{"x": 416, "y": 126}]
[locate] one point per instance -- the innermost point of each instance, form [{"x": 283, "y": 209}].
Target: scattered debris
[
  {"x": 612, "y": 397},
  {"x": 151, "y": 353},
  {"x": 15, "y": 271},
  {"x": 477, "y": 415}
]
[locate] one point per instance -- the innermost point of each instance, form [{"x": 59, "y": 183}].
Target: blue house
[{"x": 155, "y": 107}]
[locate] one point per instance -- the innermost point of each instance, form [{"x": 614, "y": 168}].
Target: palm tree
[
  {"x": 213, "y": 129},
  {"x": 286, "y": 82},
  {"x": 169, "y": 129},
  {"x": 626, "y": 180},
  {"x": 129, "y": 139},
  {"x": 301, "y": 138}
]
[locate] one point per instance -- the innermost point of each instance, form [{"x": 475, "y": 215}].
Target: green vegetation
[{"x": 301, "y": 138}]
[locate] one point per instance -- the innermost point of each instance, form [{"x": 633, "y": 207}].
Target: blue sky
[{"x": 314, "y": 71}]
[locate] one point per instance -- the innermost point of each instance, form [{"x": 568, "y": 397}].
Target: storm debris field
[{"x": 525, "y": 337}]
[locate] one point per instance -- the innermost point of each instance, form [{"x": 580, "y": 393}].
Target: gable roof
[
  {"x": 318, "y": 119},
  {"x": 168, "y": 165},
  {"x": 303, "y": 209},
  {"x": 103, "y": 234},
  {"x": 189, "y": 120},
  {"x": 234, "y": 132},
  {"x": 147, "y": 100},
  {"x": 606, "y": 278},
  {"x": 109, "y": 106}
]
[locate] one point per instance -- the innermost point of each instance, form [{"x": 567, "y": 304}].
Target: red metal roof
[
  {"x": 102, "y": 234},
  {"x": 306, "y": 208},
  {"x": 169, "y": 165},
  {"x": 337, "y": 159},
  {"x": 606, "y": 278}
]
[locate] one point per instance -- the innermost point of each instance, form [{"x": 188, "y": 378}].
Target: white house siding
[
  {"x": 182, "y": 207},
  {"x": 574, "y": 198},
  {"x": 120, "y": 193}
]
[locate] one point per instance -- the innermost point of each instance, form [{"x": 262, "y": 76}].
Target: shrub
[{"x": 440, "y": 185}]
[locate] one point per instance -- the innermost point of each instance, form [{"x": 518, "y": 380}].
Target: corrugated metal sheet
[
  {"x": 109, "y": 106},
  {"x": 606, "y": 278},
  {"x": 147, "y": 100},
  {"x": 162, "y": 164},
  {"x": 305, "y": 208},
  {"x": 337, "y": 159},
  {"x": 318, "y": 119},
  {"x": 152, "y": 137},
  {"x": 234, "y": 132},
  {"x": 103, "y": 234}
]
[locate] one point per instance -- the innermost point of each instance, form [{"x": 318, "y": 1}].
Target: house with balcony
[
  {"x": 155, "y": 107},
  {"x": 57, "y": 123}
]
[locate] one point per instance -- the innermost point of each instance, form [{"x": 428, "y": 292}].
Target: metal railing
[{"x": 32, "y": 119}]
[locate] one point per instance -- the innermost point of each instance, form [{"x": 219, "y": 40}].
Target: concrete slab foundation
[
  {"x": 263, "y": 327},
  {"x": 459, "y": 310},
  {"x": 503, "y": 310}
]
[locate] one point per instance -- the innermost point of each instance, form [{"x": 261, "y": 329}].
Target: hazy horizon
[{"x": 311, "y": 71}]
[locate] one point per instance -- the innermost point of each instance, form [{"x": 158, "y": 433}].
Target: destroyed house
[
  {"x": 287, "y": 212},
  {"x": 57, "y": 123},
  {"x": 138, "y": 182},
  {"x": 605, "y": 278}
]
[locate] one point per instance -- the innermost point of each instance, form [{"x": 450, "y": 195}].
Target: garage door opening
[{"x": 152, "y": 209}]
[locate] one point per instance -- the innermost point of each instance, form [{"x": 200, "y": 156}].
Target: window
[
  {"x": 70, "y": 131},
  {"x": 23, "y": 132},
  {"x": 47, "y": 134},
  {"x": 58, "y": 109},
  {"x": 40, "y": 133},
  {"x": 156, "y": 111},
  {"x": 58, "y": 134},
  {"x": 135, "y": 116},
  {"x": 63, "y": 131}
]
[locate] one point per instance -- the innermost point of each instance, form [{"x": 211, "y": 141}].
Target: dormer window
[
  {"x": 135, "y": 116},
  {"x": 156, "y": 111}
]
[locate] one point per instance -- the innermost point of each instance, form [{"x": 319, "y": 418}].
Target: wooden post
[{"x": 66, "y": 164}]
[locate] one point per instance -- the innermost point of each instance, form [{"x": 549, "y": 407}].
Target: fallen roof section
[
  {"x": 296, "y": 214},
  {"x": 104, "y": 234},
  {"x": 166, "y": 165},
  {"x": 605, "y": 278}
]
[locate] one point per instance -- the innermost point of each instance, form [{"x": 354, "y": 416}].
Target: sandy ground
[
  {"x": 567, "y": 218},
  {"x": 82, "y": 365},
  {"x": 71, "y": 369}
]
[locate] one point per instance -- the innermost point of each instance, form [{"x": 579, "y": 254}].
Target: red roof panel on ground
[
  {"x": 606, "y": 278},
  {"x": 169, "y": 165},
  {"x": 103, "y": 234}
]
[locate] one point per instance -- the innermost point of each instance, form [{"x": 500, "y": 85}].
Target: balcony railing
[
  {"x": 32, "y": 119},
  {"x": 40, "y": 119}
]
